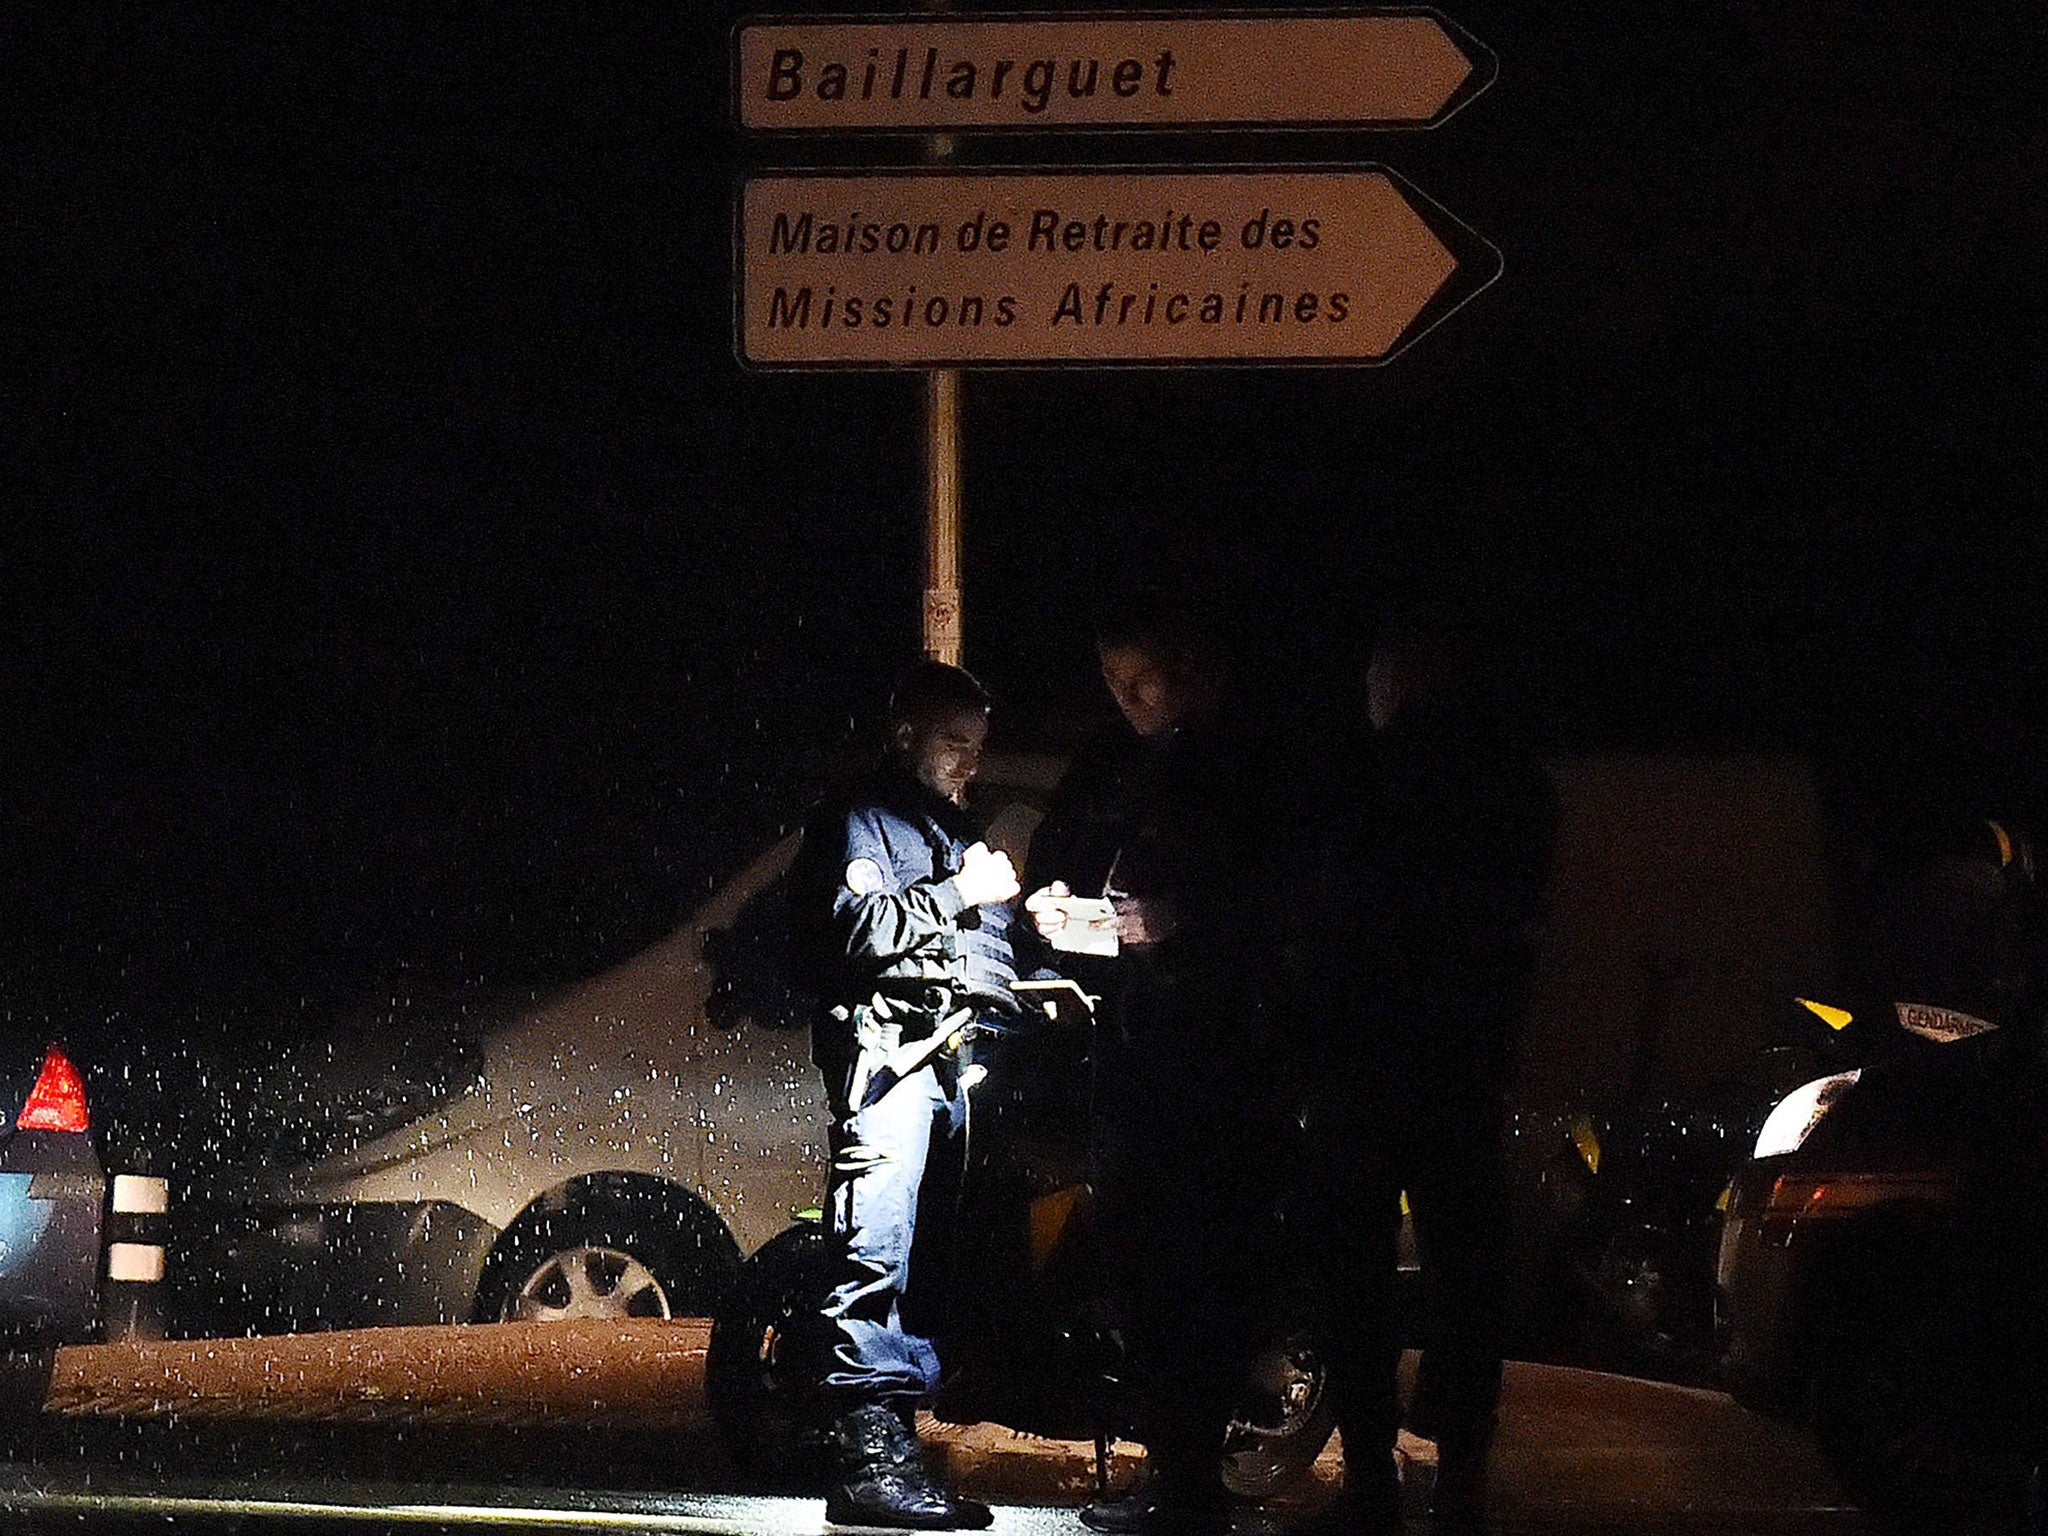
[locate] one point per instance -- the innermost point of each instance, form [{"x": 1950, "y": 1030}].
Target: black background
[{"x": 407, "y": 594}]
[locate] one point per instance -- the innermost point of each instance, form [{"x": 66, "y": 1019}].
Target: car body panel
[
  {"x": 236, "y": 1269},
  {"x": 52, "y": 1199},
  {"x": 660, "y": 1068},
  {"x": 1865, "y": 1214},
  {"x": 623, "y": 1072}
]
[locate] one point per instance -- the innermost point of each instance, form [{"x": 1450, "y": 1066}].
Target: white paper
[{"x": 1090, "y": 927}]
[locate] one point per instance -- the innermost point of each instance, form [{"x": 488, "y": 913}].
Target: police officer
[
  {"x": 903, "y": 914},
  {"x": 1170, "y": 828},
  {"x": 1425, "y": 918}
]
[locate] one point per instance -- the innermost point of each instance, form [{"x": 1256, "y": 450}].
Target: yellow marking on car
[
  {"x": 1834, "y": 1018},
  {"x": 1587, "y": 1140},
  {"x": 1845, "y": 1194},
  {"x": 2004, "y": 840}
]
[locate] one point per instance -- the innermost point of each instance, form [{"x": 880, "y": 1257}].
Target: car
[
  {"x": 1880, "y": 1275},
  {"x": 613, "y": 1150},
  {"x": 53, "y": 1195},
  {"x": 618, "y": 1146},
  {"x": 1635, "y": 1187},
  {"x": 1885, "y": 1251}
]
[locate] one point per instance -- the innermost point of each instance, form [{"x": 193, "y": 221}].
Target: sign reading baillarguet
[{"x": 1409, "y": 68}]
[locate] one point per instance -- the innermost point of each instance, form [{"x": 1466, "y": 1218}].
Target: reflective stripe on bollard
[{"x": 131, "y": 1301}]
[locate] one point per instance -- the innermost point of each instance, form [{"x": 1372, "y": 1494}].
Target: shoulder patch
[{"x": 864, "y": 877}]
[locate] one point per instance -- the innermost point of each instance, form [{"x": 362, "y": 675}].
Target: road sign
[
  {"x": 934, "y": 268},
  {"x": 1374, "y": 69}
]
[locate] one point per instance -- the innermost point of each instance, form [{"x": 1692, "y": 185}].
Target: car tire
[
  {"x": 609, "y": 1249},
  {"x": 1893, "y": 1417},
  {"x": 1284, "y": 1419},
  {"x": 770, "y": 1348}
]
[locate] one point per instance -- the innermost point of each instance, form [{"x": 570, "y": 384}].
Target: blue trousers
[{"x": 880, "y": 1155}]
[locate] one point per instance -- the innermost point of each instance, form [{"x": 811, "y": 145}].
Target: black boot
[
  {"x": 881, "y": 1480},
  {"x": 1457, "y": 1505},
  {"x": 1153, "y": 1512},
  {"x": 1124, "y": 1515},
  {"x": 1164, "y": 1505}
]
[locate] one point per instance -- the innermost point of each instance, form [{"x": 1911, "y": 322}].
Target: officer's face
[
  {"x": 944, "y": 750},
  {"x": 1143, "y": 688}
]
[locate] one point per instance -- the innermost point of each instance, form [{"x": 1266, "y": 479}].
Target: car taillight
[
  {"x": 57, "y": 1102},
  {"x": 1847, "y": 1194}
]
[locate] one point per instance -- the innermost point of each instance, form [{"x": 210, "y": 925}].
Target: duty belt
[
  {"x": 886, "y": 1055},
  {"x": 903, "y": 997}
]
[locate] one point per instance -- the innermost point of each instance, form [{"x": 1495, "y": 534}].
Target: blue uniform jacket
[{"x": 878, "y": 917}]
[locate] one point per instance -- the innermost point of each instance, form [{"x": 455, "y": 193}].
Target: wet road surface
[{"x": 1580, "y": 1454}]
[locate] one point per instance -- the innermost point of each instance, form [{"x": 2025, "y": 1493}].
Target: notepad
[{"x": 1090, "y": 927}]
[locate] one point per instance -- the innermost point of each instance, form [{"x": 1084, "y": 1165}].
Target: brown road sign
[
  {"x": 934, "y": 268},
  {"x": 1325, "y": 69}
]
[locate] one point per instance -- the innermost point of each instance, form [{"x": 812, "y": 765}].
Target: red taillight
[
  {"x": 57, "y": 1102},
  {"x": 1849, "y": 1193}
]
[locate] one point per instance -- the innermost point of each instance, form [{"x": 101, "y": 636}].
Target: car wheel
[
  {"x": 1893, "y": 1418},
  {"x": 770, "y": 1348},
  {"x": 609, "y": 1253},
  {"x": 1283, "y": 1420},
  {"x": 589, "y": 1280}
]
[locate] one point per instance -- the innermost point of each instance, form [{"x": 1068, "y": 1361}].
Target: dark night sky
[{"x": 407, "y": 589}]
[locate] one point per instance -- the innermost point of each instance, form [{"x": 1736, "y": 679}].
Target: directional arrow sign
[
  {"x": 1374, "y": 69},
  {"x": 920, "y": 269}
]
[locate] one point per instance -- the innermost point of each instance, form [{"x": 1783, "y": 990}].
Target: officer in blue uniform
[{"x": 904, "y": 916}]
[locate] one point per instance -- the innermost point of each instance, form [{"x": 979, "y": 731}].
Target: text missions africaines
[{"x": 1051, "y": 233}]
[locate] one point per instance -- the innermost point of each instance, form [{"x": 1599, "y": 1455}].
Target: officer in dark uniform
[
  {"x": 903, "y": 915},
  {"x": 1170, "y": 828},
  {"x": 1425, "y": 921}
]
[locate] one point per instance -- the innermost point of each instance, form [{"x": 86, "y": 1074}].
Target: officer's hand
[
  {"x": 985, "y": 876},
  {"x": 1046, "y": 914},
  {"x": 1142, "y": 920}
]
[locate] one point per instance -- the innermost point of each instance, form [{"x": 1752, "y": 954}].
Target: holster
[{"x": 874, "y": 1037}]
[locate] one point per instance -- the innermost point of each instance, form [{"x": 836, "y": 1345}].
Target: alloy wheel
[{"x": 588, "y": 1282}]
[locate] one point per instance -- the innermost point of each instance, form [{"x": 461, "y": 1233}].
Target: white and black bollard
[{"x": 132, "y": 1298}]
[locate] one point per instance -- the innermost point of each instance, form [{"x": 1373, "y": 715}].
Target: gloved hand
[{"x": 985, "y": 876}]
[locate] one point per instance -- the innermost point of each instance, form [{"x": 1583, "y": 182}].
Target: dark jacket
[
  {"x": 1432, "y": 895},
  {"x": 877, "y": 916},
  {"x": 1198, "y": 837},
  {"x": 1088, "y": 817},
  {"x": 1184, "y": 819}
]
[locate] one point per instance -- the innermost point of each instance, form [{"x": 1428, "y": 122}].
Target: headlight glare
[{"x": 1800, "y": 1111}]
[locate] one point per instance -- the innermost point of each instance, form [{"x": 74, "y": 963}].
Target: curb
[{"x": 596, "y": 1375}]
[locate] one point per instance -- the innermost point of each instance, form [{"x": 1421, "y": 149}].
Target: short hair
[
  {"x": 927, "y": 688},
  {"x": 1167, "y": 630}
]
